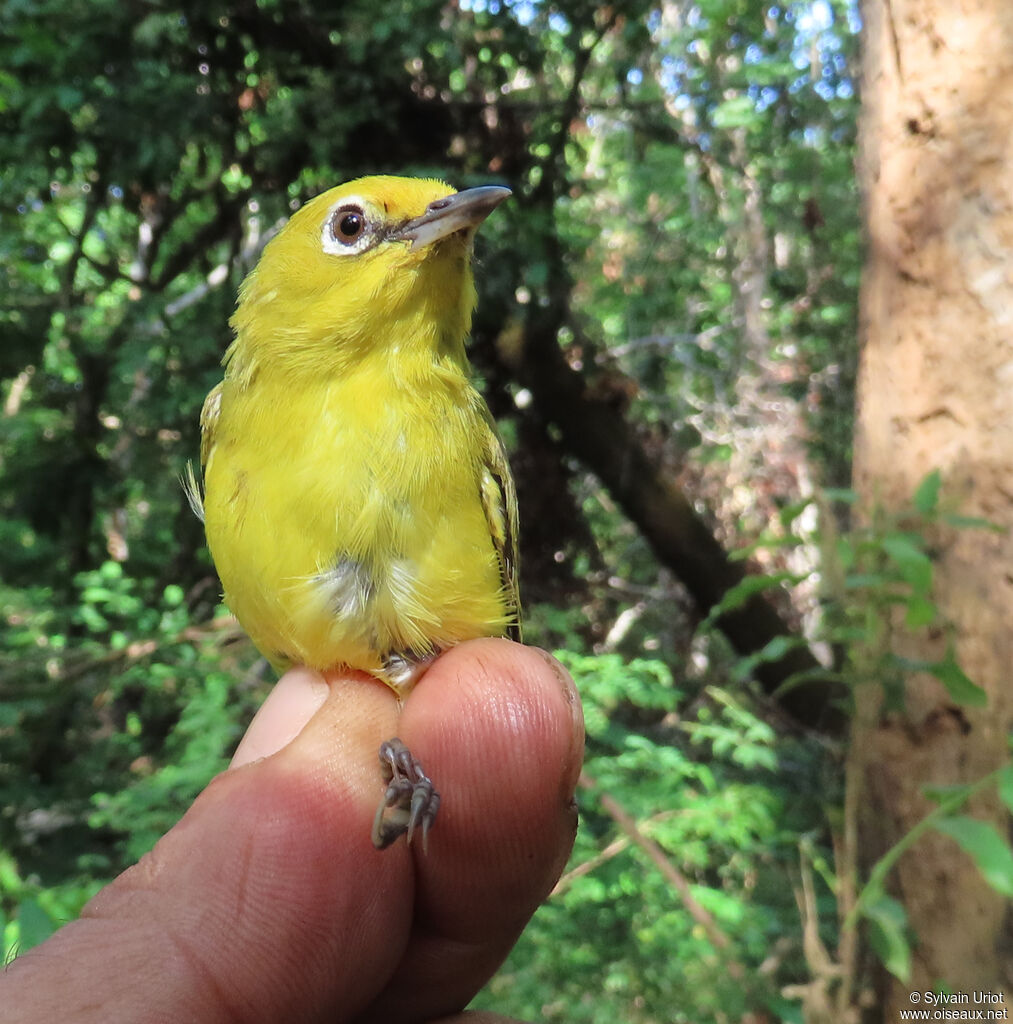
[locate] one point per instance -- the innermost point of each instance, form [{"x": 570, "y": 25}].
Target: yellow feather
[{"x": 357, "y": 500}]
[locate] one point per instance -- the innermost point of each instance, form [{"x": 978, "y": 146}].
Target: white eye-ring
[{"x": 347, "y": 228}]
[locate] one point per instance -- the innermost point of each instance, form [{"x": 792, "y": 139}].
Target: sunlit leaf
[
  {"x": 926, "y": 496},
  {"x": 888, "y": 934},
  {"x": 989, "y": 851},
  {"x": 958, "y": 684}
]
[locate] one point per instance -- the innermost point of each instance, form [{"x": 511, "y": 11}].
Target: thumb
[{"x": 262, "y": 901}]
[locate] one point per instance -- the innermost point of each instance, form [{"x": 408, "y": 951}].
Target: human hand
[{"x": 268, "y": 902}]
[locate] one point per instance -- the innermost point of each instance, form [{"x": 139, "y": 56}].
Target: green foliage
[
  {"x": 657, "y": 158},
  {"x": 982, "y": 843},
  {"x": 872, "y": 578},
  {"x": 718, "y": 795},
  {"x": 115, "y": 715},
  {"x": 193, "y": 751},
  {"x": 991, "y": 853},
  {"x": 30, "y": 912},
  {"x": 866, "y": 577},
  {"x": 888, "y": 932},
  {"x": 712, "y": 135}
]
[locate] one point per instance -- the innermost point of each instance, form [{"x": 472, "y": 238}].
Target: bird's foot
[{"x": 410, "y": 801}]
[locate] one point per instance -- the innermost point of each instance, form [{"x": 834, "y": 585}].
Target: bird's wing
[
  {"x": 208, "y": 420},
  {"x": 499, "y": 499}
]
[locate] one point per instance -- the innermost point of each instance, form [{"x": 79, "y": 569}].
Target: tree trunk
[{"x": 936, "y": 392}]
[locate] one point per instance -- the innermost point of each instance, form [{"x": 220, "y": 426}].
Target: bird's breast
[{"x": 346, "y": 520}]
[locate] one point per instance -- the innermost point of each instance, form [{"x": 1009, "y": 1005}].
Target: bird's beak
[{"x": 460, "y": 212}]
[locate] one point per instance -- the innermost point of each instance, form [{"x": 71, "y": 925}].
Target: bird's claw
[{"x": 409, "y": 802}]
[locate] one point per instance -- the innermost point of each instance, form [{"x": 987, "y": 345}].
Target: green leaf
[
  {"x": 834, "y": 314},
  {"x": 913, "y": 564},
  {"x": 842, "y": 494},
  {"x": 982, "y": 843},
  {"x": 920, "y": 612},
  {"x": 737, "y": 596},
  {"x": 858, "y": 580},
  {"x": 34, "y": 925},
  {"x": 958, "y": 684},
  {"x": 1005, "y": 785},
  {"x": 888, "y": 934},
  {"x": 953, "y": 795},
  {"x": 926, "y": 496},
  {"x": 738, "y": 112},
  {"x": 777, "y": 647},
  {"x": 792, "y": 511},
  {"x": 972, "y": 523}
]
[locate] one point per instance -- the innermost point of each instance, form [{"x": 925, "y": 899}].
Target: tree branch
[
  {"x": 598, "y": 434},
  {"x": 224, "y": 220},
  {"x": 668, "y": 870},
  {"x": 571, "y": 105}
]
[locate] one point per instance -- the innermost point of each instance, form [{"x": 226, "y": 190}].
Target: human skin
[{"x": 268, "y": 902}]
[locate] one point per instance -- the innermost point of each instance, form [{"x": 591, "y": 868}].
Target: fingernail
[
  {"x": 296, "y": 698},
  {"x": 572, "y": 697},
  {"x": 566, "y": 684}
]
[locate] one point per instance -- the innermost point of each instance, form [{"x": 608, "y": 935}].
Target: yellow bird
[{"x": 357, "y": 499}]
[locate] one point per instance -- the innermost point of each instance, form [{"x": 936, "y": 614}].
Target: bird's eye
[
  {"x": 348, "y": 225},
  {"x": 351, "y": 227}
]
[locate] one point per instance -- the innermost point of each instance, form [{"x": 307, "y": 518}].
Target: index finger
[{"x": 498, "y": 727}]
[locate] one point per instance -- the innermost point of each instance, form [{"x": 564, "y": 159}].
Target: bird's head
[{"x": 377, "y": 262}]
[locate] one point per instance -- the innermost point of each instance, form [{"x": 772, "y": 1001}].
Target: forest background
[{"x": 794, "y": 697}]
